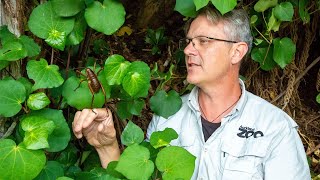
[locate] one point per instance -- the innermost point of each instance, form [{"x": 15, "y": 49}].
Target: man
[{"x": 234, "y": 134}]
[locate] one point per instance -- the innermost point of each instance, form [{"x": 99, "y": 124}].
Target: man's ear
[{"x": 238, "y": 51}]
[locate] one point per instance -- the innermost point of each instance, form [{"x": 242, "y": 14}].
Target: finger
[
  {"x": 90, "y": 117},
  {"x": 102, "y": 113},
  {"x": 75, "y": 123},
  {"x": 76, "y": 132}
]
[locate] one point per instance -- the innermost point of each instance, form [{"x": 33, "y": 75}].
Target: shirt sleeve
[
  {"x": 152, "y": 127},
  {"x": 288, "y": 159}
]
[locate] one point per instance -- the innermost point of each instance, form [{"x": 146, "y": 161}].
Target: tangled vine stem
[{"x": 298, "y": 78}]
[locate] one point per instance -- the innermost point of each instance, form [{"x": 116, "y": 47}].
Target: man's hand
[{"x": 96, "y": 126}]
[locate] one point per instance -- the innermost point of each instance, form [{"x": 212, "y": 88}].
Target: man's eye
[{"x": 203, "y": 41}]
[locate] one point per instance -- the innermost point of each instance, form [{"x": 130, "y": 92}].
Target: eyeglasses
[{"x": 199, "y": 42}]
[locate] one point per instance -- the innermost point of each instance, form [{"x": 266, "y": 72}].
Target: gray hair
[{"x": 236, "y": 22}]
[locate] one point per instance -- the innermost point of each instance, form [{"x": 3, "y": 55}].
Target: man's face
[{"x": 208, "y": 61}]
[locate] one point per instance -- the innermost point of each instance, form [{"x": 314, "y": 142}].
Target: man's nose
[{"x": 190, "y": 49}]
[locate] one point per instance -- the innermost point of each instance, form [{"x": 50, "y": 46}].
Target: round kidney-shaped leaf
[
  {"x": 186, "y": 8},
  {"x": 43, "y": 20},
  {"x": 179, "y": 167},
  {"x": 164, "y": 104},
  {"x": 265, "y": 60},
  {"x": 284, "y": 11},
  {"x": 224, "y": 6},
  {"x": 52, "y": 170},
  {"x": 127, "y": 108},
  {"x": 12, "y": 51},
  {"x": 32, "y": 47},
  {"x": 284, "y": 51},
  {"x": 44, "y": 75},
  {"x": 66, "y": 8},
  {"x": 17, "y": 161},
  {"x": 163, "y": 138},
  {"x": 38, "y": 101},
  {"x": 137, "y": 80},
  {"x": 13, "y": 93},
  {"x": 107, "y": 17},
  {"x": 80, "y": 97},
  {"x": 132, "y": 134},
  {"x": 115, "y": 69},
  {"x": 60, "y": 137},
  {"x": 134, "y": 163}
]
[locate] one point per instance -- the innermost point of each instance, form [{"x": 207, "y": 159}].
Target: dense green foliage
[{"x": 42, "y": 146}]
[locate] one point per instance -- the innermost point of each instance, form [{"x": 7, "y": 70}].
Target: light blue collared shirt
[{"x": 255, "y": 141}]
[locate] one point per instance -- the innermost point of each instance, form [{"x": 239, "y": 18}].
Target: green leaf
[
  {"x": 44, "y": 75},
  {"x": 3, "y": 64},
  {"x": 265, "y": 60},
  {"x": 19, "y": 161},
  {"x": 132, "y": 134},
  {"x": 37, "y": 130},
  {"x": 284, "y": 51},
  {"x": 224, "y": 6},
  {"x": 186, "y": 8},
  {"x": 179, "y": 167},
  {"x": 163, "y": 138},
  {"x": 64, "y": 178},
  {"x": 164, "y": 104},
  {"x": 6, "y": 35},
  {"x": 78, "y": 32},
  {"x": 318, "y": 98},
  {"x": 107, "y": 17},
  {"x": 27, "y": 84},
  {"x": 33, "y": 49},
  {"x": 263, "y": 5},
  {"x": 38, "y": 101},
  {"x": 95, "y": 174},
  {"x": 125, "y": 109},
  {"x": 303, "y": 11},
  {"x": 134, "y": 163},
  {"x": 44, "y": 20},
  {"x": 81, "y": 97},
  {"x": 13, "y": 93},
  {"x": 12, "y": 51},
  {"x": 200, "y": 3},
  {"x": 68, "y": 156},
  {"x": 51, "y": 171},
  {"x": 137, "y": 80},
  {"x": 59, "y": 138},
  {"x": 115, "y": 69},
  {"x": 57, "y": 39},
  {"x": 253, "y": 19},
  {"x": 111, "y": 170},
  {"x": 284, "y": 11},
  {"x": 273, "y": 23},
  {"x": 66, "y": 8}
]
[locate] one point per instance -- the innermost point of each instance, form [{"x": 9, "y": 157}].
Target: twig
[
  {"x": 298, "y": 78},
  {"x": 52, "y": 54},
  {"x": 10, "y": 130},
  {"x": 313, "y": 150}
]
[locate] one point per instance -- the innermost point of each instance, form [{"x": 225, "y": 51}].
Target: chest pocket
[{"x": 242, "y": 160}]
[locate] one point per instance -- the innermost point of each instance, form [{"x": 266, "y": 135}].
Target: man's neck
[{"x": 217, "y": 101}]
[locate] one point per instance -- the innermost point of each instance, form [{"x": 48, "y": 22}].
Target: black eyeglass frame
[{"x": 211, "y": 38}]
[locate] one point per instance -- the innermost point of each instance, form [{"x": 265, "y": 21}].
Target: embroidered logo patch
[{"x": 246, "y": 132}]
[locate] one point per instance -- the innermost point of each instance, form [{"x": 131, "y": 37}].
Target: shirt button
[{"x": 205, "y": 149}]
